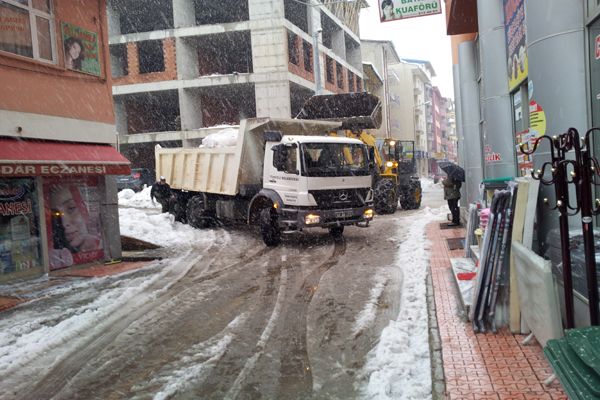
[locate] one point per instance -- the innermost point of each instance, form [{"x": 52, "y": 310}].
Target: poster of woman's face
[
  {"x": 72, "y": 207},
  {"x": 74, "y": 54},
  {"x": 387, "y": 10}
]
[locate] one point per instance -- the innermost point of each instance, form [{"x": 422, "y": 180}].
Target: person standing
[
  {"x": 161, "y": 191},
  {"x": 452, "y": 195}
]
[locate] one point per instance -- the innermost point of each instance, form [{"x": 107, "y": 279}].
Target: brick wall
[
  {"x": 299, "y": 69},
  {"x": 133, "y": 65}
]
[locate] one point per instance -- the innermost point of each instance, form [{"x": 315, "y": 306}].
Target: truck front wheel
[
  {"x": 269, "y": 228},
  {"x": 196, "y": 213}
]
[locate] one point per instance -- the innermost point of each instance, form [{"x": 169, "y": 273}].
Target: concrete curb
[{"x": 438, "y": 382}]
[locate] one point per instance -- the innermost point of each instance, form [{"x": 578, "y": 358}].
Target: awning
[{"x": 43, "y": 158}]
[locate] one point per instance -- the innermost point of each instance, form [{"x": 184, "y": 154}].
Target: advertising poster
[
  {"x": 393, "y": 10},
  {"x": 524, "y": 161},
  {"x": 80, "y": 49},
  {"x": 19, "y": 226},
  {"x": 73, "y": 221},
  {"x": 515, "y": 34},
  {"x": 537, "y": 119}
]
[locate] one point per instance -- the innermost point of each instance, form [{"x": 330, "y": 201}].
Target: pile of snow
[
  {"x": 427, "y": 184},
  {"x": 160, "y": 229},
  {"x": 224, "y": 138},
  {"x": 400, "y": 367},
  {"x": 129, "y": 198}
]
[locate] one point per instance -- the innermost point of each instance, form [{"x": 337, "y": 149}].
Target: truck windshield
[{"x": 334, "y": 159}]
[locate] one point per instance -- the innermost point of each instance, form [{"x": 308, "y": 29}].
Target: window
[
  {"x": 350, "y": 82},
  {"x": 151, "y": 56},
  {"x": 340, "y": 75},
  {"x": 329, "y": 68},
  {"x": 293, "y": 53},
  {"x": 27, "y": 29},
  {"x": 308, "y": 59}
]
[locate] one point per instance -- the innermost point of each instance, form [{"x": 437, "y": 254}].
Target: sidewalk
[
  {"x": 481, "y": 366},
  {"x": 30, "y": 290}
]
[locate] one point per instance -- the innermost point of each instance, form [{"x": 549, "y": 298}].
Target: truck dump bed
[{"x": 222, "y": 170}]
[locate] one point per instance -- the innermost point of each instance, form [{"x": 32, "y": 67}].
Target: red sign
[
  {"x": 597, "y": 47},
  {"x": 62, "y": 169}
]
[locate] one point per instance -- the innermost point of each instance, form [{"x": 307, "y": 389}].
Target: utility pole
[
  {"x": 317, "y": 62},
  {"x": 386, "y": 93}
]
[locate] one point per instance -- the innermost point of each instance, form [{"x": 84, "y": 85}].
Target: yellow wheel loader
[{"x": 395, "y": 178}]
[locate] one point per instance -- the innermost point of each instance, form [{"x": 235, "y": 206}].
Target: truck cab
[{"x": 317, "y": 182}]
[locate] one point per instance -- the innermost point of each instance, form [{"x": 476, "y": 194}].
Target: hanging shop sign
[
  {"x": 58, "y": 169},
  {"x": 19, "y": 226},
  {"x": 392, "y": 10},
  {"x": 537, "y": 119},
  {"x": 72, "y": 208},
  {"x": 80, "y": 49},
  {"x": 515, "y": 33}
]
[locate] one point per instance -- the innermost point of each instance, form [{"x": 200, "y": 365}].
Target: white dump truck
[{"x": 283, "y": 175}]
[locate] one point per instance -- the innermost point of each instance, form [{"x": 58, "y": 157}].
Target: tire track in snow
[
  {"x": 236, "y": 387},
  {"x": 296, "y": 375}
]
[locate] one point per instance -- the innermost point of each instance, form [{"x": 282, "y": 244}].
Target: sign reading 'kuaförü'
[{"x": 391, "y": 10}]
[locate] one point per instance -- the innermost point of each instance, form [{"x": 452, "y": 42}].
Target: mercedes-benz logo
[{"x": 343, "y": 195}]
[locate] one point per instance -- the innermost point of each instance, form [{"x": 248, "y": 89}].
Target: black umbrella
[{"x": 454, "y": 171}]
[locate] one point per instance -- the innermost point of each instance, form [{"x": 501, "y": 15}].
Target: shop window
[
  {"x": 19, "y": 226},
  {"x": 151, "y": 56},
  {"x": 293, "y": 53},
  {"x": 308, "y": 56},
  {"x": 339, "y": 72},
  {"x": 27, "y": 30},
  {"x": 329, "y": 67},
  {"x": 73, "y": 218}
]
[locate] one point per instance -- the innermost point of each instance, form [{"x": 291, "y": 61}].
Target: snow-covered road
[{"x": 226, "y": 317}]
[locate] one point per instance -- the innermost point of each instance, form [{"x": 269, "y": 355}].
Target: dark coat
[
  {"x": 451, "y": 189},
  {"x": 160, "y": 191}
]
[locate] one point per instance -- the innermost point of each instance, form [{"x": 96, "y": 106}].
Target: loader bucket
[{"x": 356, "y": 111}]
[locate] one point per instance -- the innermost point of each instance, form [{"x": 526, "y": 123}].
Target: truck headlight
[
  {"x": 311, "y": 219},
  {"x": 368, "y": 214}
]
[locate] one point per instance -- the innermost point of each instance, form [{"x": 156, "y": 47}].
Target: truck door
[{"x": 284, "y": 175}]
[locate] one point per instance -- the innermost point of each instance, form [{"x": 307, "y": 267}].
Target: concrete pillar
[
  {"x": 113, "y": 17},
  {"x": 338, "y": 43},
  {"x": 109, "y": 218},
  {"x": 460, "y": 144},
  {"x": 186, "y": 55},
  {"x": 190, "y": 109},
  {"x": 469, "y": 95},
  {"x": 184, "y": 13},
  {"x": 557, "y": 64},
  {"x": 497, "y": 129},
  {"x": 120, "y": 115},
  {"x": 273, "y": 99}
]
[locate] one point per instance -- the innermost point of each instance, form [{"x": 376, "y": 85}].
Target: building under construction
[{"x": 181, "y": 65}]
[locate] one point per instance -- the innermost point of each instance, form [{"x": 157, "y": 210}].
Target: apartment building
[
  {"x": 182, "y": 65},
  {"x": 58, "y": 201}
]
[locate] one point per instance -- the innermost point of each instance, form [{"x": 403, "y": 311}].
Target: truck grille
[{"x": 340, "y": 198}]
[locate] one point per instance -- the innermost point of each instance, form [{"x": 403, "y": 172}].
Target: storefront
[{"x": 57, "y": 205}]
